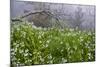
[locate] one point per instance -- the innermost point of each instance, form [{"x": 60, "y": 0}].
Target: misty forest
[{"x": 51, "y": 33}]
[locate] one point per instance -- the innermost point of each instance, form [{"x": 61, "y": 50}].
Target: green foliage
[{"x": 31, "y": 45}]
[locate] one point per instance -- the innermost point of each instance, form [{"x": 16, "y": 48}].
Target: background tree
[{"x": 77, "y": 18}]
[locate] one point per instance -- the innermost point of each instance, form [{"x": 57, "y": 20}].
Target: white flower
[
  {"x": 42, "y": 60},
  {"x": 81, "y": 40},
  {"x": 51, "y": 61},
  {"x": 79, "y": 32},
  {"x": 39, "y": 28},
  {"x": 89, "y": 55},
  {"x": 82, "y": 51},
  {"x": 61, "y": 42},
  {"x": 46, "y": 45},
  {"x": 21, "y": 51},
  {"x": 40, "y": 41},
  {"x": 50, "y": 36},
  {"x": 15, "y": 49},
  {"x": 57, "y": 48},
  {"x": 26, "y": 54},
  {"x": 39, "y": 36},
  {"x": 17, "y": 45},
  {"x": 68, "y": 34},
  {"x": 75, "y": 47},
  {"x": 48, "y": 41},
  {"x": 12, "y": 49},
  {"x": 12, "y": 53},
  {"x": 14, "y": 44},
  {"x": 68, "y": 48},
  {"x": 71, "y": 51},
  {"x": 30, "y": 60},
  {"x": 18, "y": 29},
  {"x": 24, "y": 34},
  {"x": 62, "y": 29},
  {"x": 30, "y": 54},
  {"x": 45, "y": 29},
  {"x": 26, "y": 50},
  {"x": 22, "y": 45},
  {"x": 88, "y": 42},
  {"x": 71, "y": 29},
  {"x": 74, "y": 35},
  {"x": 64, "y": 60},
  {"x": 14, "y": 58},
  {"x": 50, "y": 57},
  {"x": 89, "y": 33},
  {"x": 62, "y": 50},
  {"x": 34, "y": 26}
]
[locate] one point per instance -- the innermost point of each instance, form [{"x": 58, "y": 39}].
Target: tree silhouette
[{"x": 77, "y": 20}]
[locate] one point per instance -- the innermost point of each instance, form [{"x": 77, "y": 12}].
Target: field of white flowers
[{"x": 31, "y": 45}]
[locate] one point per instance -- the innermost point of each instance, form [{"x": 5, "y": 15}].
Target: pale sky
[{"x": 86, "y": 2}]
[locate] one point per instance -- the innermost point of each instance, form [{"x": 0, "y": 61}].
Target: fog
[{"x": 65, "y": 12}]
